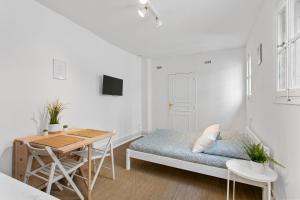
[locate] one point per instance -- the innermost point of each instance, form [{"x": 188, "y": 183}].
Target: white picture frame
[{"x": 59, "y": 69}]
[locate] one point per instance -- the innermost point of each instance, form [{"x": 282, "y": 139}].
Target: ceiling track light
[
  {"x": 143, "y": 12},
  {"x": 143, "y": 2},
  {"x": 149, "y": 7},
  {"x": 159, "y": 23}
]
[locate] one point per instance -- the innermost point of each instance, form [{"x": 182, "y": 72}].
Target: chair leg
[
  {"x": 94, "y": 166},
  {"x": 28, "y": 169},
  {"x": 112, "y": 161},
  {"x": 100, "y": 164},
  {"x": 66, "y": 175},
  {"x": 72, "y": 177},
  {"x": 50, "y": 181},
  {"x": 59, "y": 186}
]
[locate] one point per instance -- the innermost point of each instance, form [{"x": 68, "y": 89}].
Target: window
[
  {"x": 288, "y": 50},
  {"x": 295, "y": 45},
  {"x": 249, "y": 77}
]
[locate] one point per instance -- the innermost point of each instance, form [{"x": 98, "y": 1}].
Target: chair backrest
[{"x": 37, "y": 151}]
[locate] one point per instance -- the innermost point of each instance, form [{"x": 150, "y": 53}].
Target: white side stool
[{"x": 242, "y": 168}]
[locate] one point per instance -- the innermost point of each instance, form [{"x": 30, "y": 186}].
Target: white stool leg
[
  {"x": 127, "y": 159},
  {"x": 112, "y": 160},
  {"x": 228, "y": 185},
  {"x": 265, "y": 192},
  {"x": 269, "y": 190},
  {"x": 233, "y": 195}
]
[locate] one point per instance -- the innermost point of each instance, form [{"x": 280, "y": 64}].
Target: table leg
[
  {"x": 89, "y": 171},
  {"x": 228, "y": 185},
  {"x": 233, "y": 188},
  {"x": 269, "y": 190}
]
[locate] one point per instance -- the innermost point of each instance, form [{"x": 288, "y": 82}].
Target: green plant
[
  {"x": 54, "y": 110},
  {"x": 65, "y": 126},
  {"x": 45, "y": 130},
  {"x": 257, "y": 153}
]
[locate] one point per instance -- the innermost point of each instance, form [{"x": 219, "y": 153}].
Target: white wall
[
  {"x": 276, "y": 124},
  {"x": 146, "y": 96},
  {"x": 220, "y": 87},
  {"x": 31, "y": 36}
]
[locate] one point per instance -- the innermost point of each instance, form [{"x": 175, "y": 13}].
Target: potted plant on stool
[
  {"x": 258, "y": 156},
  {"x": 54, "y": 110}
]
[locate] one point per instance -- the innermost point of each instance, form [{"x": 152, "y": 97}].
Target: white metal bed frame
[{"x": 196, "y": 167}]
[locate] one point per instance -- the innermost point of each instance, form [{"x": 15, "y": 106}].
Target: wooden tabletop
[{"x": 83, "y": 134}]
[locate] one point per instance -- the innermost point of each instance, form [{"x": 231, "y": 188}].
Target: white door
[{"x": 182, "y": 102}]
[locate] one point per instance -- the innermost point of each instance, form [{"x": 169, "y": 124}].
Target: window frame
[{"x": 288, "y": 95}]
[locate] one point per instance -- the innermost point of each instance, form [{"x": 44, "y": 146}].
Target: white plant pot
[
  {"x": 257, "y": 167},
  {"x": 54, "y": 128},
  {"x": 65, "y": 129},
  {"x": 45, "y": 133}
]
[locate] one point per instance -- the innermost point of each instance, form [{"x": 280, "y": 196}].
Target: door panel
[{"x": 182, "y": 102}]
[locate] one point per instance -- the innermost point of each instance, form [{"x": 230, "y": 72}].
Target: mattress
[{"x": 177, "y": 145}]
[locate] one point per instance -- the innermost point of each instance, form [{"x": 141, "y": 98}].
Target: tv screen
[{"x": 112, "y": 86}]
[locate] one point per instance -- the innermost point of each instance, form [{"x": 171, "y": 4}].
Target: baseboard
[
  {"x": 126, "y": 139},
  {"x": 146, "y": 132}
]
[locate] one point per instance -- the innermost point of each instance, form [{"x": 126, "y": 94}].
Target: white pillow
[{"x": 207, "y": 138}]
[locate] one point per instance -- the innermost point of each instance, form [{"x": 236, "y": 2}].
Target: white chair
[
  {"x": 99, "y": 154},
  {"x": 53, "y": 171}
]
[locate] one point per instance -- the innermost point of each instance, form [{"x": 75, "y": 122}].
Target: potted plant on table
[
  {"x": 258, "y": 156},
  {"x": 54, "y": 111},
  {"x": 45, "y": 132},
  {"x": 65, "y": 128}
]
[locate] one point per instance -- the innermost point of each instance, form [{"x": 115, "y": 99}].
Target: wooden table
[{"x": 85, "y": 141}]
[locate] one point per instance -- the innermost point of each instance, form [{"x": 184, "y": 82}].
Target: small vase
[
  {"x": 257, "y": 167},
  {"x": 65, "y": 129},
  {"x": 54, "y": 128},
  {"x": 45, "y": 133}
]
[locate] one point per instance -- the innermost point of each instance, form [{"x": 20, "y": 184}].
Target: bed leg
[{"x": 127, "y": 159}]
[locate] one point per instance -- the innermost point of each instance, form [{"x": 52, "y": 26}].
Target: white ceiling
[{"x": 190, "y": 26}]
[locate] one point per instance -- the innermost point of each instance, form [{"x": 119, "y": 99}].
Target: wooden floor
[{"x": 148, "y": 181}]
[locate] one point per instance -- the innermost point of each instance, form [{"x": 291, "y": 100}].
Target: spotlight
[
  {"x": 143, "y": 2},
  {"x": 142, "y": 12},
  {"x": 159, "y": 23}
]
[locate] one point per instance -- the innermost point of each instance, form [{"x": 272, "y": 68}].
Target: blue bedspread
[{"x": 176, "y": 145}]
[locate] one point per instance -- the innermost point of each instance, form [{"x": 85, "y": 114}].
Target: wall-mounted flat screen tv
[{"x": 112, "y": 86}]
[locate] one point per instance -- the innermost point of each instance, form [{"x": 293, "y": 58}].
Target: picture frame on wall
[
  {"x": 259, "y": 54},
  {"x": 59, "y": 69}
]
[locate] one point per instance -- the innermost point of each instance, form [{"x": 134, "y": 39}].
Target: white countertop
[{"x": 12, "y": 189}]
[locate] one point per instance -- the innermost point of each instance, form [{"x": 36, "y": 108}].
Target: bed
[{"x": 172, "y": 148}]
